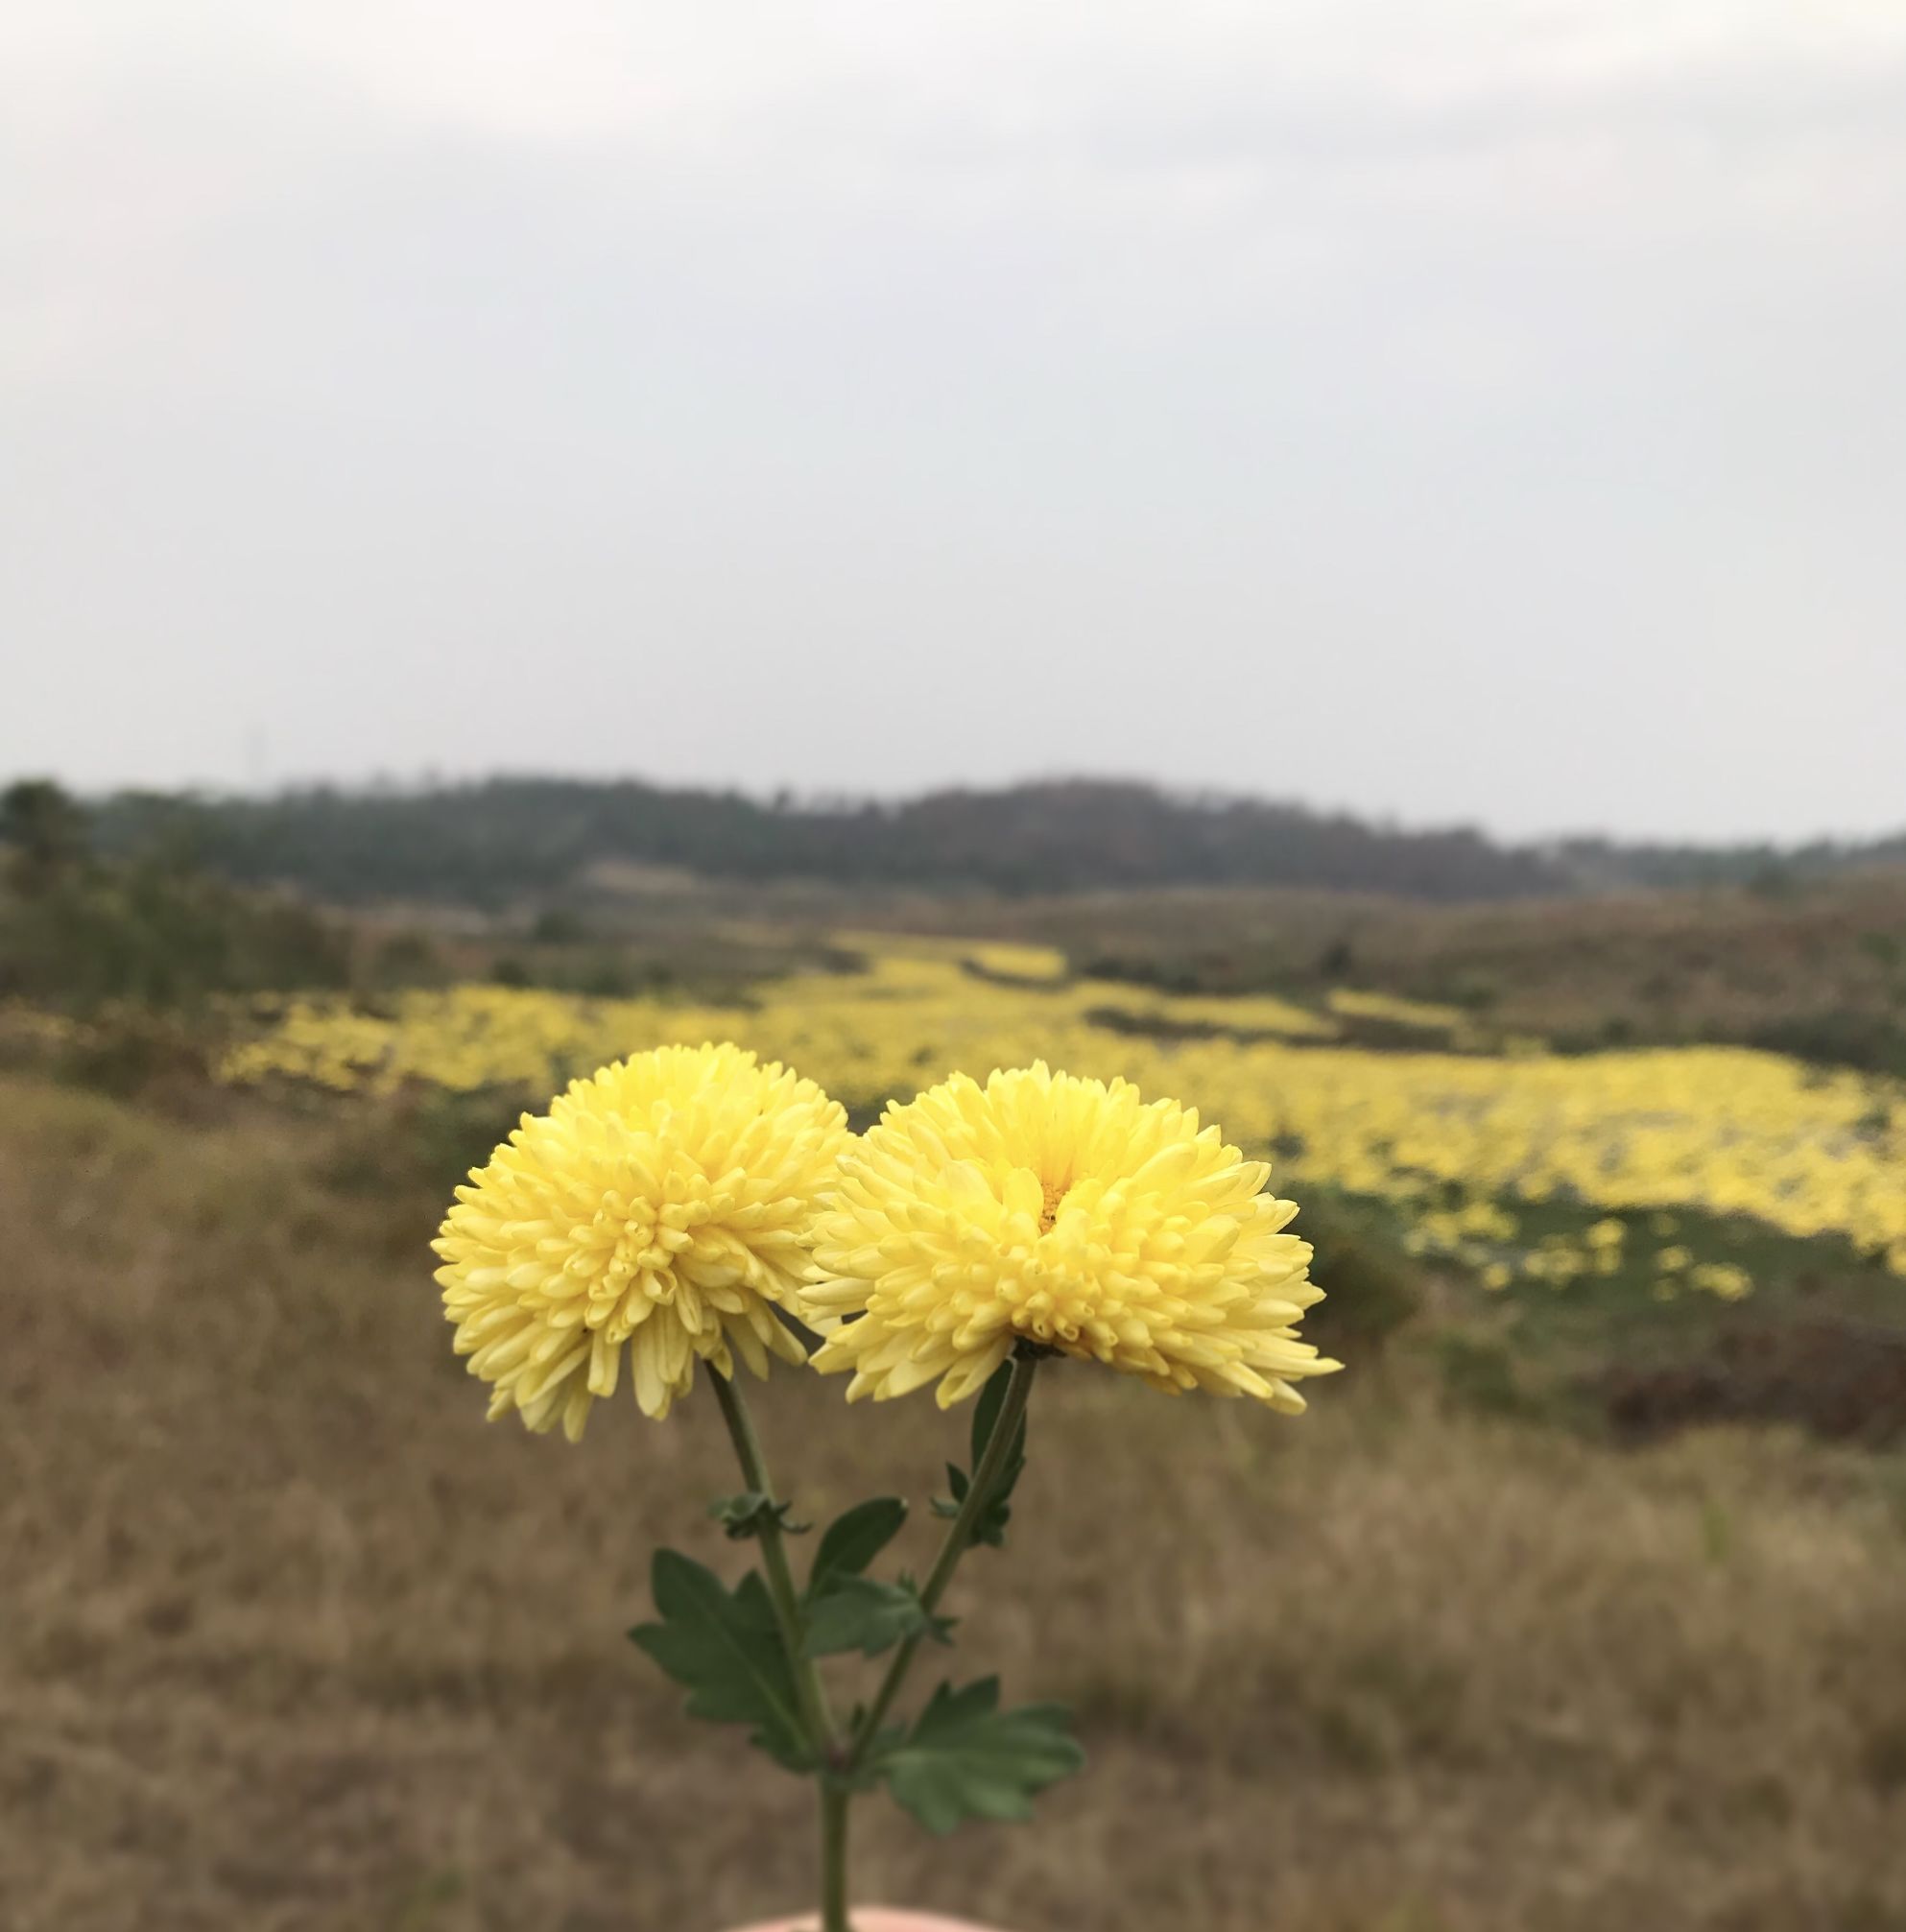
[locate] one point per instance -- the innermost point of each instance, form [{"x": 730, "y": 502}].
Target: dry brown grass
[
  {"x": 1818, "y": 969},
  {"x": 290, "y": 1640},
  {"x": 1725, "y": 962}
]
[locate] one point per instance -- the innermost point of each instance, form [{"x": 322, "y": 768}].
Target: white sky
[{"x": 1493, "y": 410}]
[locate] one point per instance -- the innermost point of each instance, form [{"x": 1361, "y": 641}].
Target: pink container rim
[{"x": 874, "y": 1919}]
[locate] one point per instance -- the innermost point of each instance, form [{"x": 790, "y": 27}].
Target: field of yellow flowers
[{"x": 1521, "y": 1165}]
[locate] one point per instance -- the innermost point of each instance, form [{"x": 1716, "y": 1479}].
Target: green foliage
[
  {"x": 77, "y": 933},
  {"x": 1371, "y": 1291},
  {"x": 852, "y": 1543},
  {"x": 44, "y": 832},
  {"x": 749, "y": 1655},
  {"x": 864, "y": 1614},
  {"x": 990, "y": 1528},
  {"x": 748, "y": 1514},
  {"x": 741, "y": 1663},
  {"x": 488, "y": 844},
  {"x": 965, "y": 1757},
  {"x": 491, "y": 843},
  {"x": 1478, "y": 1373},
  {"x": 1868, "y": 1042},
  {"x": 418, "y": 1145},
  {"x": 845, "y": 1608},
  {"x": 558, "y": 926},
  {"x": 407, "y": 959},
  {"x": 724, "y": 1648}
]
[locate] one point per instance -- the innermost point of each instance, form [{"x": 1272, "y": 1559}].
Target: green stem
[
  {"x": 834, "y": 1798},
  {"x": 959, "y": 1538},
  {"x": 808, "y": 1687}
]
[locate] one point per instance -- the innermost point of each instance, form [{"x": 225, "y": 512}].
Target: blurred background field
[
  {"x": 1338, "y": 560},
  {"x": 1583, "y": 1590}
]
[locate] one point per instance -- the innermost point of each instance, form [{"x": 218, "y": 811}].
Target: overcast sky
[{"x": 1489, "y": 410}]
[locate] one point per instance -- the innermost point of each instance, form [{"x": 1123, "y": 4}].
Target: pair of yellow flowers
[{"x": 676, "y": 1201}]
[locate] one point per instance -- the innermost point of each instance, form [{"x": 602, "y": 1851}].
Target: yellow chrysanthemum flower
[
  {"x": 1064, "y": 1212},
  {"x": 667, "y": 1202}
]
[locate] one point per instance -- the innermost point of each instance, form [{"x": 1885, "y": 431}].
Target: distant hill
[
  {"x": 501, "y": 839},
  {"x": 1602, "y": 863},
  {"x": 497, "y": 840}
]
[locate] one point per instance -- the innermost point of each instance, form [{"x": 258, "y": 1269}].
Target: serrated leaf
[
  {"x": 864, "y": 1614},
  {"x": 851, "y": 1541},
  {"x": 965, "y": 1759},
  {"x": 725, "y": 1648},
  {"x": 749, "y": 1512}
]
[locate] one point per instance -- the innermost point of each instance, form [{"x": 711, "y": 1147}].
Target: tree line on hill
[
  {"x": 500, "y": 840},
  {"x": 79, "y": 930}
]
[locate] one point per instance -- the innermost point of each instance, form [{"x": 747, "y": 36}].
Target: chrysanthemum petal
[
  {"x": 1064, "y": 1212},
  {"x": 663, "y": 1203}
]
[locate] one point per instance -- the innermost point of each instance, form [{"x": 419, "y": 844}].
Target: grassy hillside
[{"x": 294, "y": 1640}]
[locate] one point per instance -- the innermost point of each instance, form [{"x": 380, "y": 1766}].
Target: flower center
[{"x": 1054, "y": 1192}]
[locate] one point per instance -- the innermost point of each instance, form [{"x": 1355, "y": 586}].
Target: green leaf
[
  {"x": 863, "y": 1614},
  {"x": 990, "y": 1527},
  {"x": 986, "y": 1412},
  {"x": 852, "y": 1541},
  {"x": 948, "y": 1507},
  {"x": 749, "y": 1512},
  {"x": 724, "y": 1650},
  {"x": 967, "y": 1759}
]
